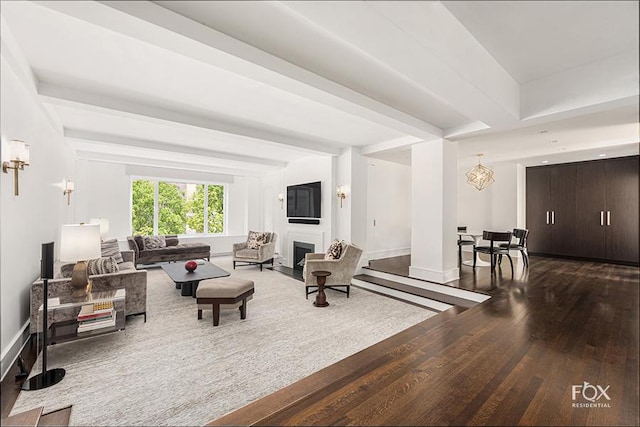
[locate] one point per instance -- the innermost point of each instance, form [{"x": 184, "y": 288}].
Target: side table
[{"x": 321, "y": 279}]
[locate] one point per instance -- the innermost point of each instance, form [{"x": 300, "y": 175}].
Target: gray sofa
[
  {"x": 173, "y": 251},
  {"x": 132, "y": 280}
]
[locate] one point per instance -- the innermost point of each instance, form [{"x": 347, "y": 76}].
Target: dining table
[{"x": 477, "y": 237}]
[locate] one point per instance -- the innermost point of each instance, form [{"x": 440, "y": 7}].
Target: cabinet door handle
[
  {"x": 553, "y": 217},
  {"x": 601, "y": 217},
  {"x": 547, "y": 217},
  {"x": 608, "y": 217}
]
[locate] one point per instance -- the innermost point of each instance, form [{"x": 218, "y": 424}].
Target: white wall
[
  {"x": 104, "y": 190},
  {"x": 389, "y": 205},
  {"x": 499, "y": 207},
  {"x": 319, "y": 168},
  {"x": 35, "y": 216},
  {"x": 274, "y": 211}
]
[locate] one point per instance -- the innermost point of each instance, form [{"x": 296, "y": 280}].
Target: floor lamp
[{"x": 48, "y": 377}]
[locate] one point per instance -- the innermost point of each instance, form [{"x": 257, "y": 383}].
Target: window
[{"x": 159, "y": 207}]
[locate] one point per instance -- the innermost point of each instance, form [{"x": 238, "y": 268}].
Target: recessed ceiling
[
  {"x": 254, "y": 85},
  {"x": 547, "y": 37}
]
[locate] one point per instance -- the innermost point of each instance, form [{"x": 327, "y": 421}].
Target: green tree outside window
[
  {"x": 195, "y": 210},
  {"x": 216, "y": 208},
  {"x": 181, "y": 208},
  {"x": 171, "y": 208},
  {"x": 142, "y": 207}
]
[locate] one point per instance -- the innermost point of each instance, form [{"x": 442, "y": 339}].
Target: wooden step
[
  {"x": 446, "y": 289},
  {"x": 59, "y": 417},
  {"x": 427, "y": 303},
  {"x": 421, "y": 292},
  {"x": 27, "y": 418}
]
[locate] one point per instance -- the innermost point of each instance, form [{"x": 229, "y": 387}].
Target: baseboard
[
  {"x": 434, "y": 275},
  {"x": 11, "y": 353},
  {"x": 389, "y": 253}
]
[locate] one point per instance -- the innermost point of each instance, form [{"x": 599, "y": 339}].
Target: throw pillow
[
  {"x": 139, "y": 242},
  {"x": 66, "y": 270},
  {"x": 154, "y": 242},
  {"x": 171, "y": 240},
  {"x": 256, "y": 239},
  {"x": 102, "y": 265},
  {"x": 110, "y": 248},
  {"x": 334, "y": 251}
]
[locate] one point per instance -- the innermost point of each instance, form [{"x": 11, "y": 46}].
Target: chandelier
[{"x": 480, "y": 176}]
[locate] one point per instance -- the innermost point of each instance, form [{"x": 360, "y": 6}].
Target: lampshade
[
  {"x": 19, "y": 151},
  {"x": 104, "y": 226},
  {"x": 80, "y": 242}
]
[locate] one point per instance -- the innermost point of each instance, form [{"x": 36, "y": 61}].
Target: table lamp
[
  {"x": 79, "y": 243},
  {"x": 104, "y": 226}
]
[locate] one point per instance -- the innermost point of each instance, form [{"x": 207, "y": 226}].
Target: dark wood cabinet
[
  {"x": 585, "y": 210},
  {"x": 550, "y": 213},
  {"x": 590, "y": 198},
  {"x": 538, "y": 215},
  {"x": 621, "y": 210}
]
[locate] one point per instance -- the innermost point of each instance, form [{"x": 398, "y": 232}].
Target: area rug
[{"x": 180, "y": 371}]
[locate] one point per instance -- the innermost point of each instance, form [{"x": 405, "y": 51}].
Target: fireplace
[{"x": 299, "y": 251}]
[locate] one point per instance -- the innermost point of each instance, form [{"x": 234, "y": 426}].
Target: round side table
[{"x": 321, "y": 279}]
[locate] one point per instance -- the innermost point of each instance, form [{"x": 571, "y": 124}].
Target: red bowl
[{"x": 190, "y": 266}]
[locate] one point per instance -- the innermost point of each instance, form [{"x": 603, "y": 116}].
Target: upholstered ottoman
[{"x": 226, "y": 292}]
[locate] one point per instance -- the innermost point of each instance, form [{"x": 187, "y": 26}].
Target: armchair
[
  {"x": 263, "y": 255},
  {"x": 342, "y": 269}
]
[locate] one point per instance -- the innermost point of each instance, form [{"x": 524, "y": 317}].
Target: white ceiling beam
[
  {"x": 228, "y": 158},
  {"x": 395, "y": 144},
  {"x": 66, "y": 96},
  {"x": 426, "y": 44},
  {"x": 122, "y": 158},
  {"x": 160, "y": 27}
]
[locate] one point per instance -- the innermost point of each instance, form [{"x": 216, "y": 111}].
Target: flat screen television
[{"x": 303, "y": 200}]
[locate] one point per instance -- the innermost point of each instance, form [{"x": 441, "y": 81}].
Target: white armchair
[
  {"x": 263, "y": 255},
  {"x": 342, "y": 269}
]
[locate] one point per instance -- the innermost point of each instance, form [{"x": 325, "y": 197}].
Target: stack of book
[{"x": 96, "y": 316}]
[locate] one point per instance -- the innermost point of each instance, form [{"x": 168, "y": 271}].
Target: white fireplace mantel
[{"x": 315, "y": 238}]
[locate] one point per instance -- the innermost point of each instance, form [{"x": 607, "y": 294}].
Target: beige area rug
[{"x": 177, "y": 370}]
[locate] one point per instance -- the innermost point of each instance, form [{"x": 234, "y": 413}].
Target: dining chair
[
  {"x": 494, "y": 249},
  {"x": 463, "y": 242},
  {"x": 521, "y": 235}
]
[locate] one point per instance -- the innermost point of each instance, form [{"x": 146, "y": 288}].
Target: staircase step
[
  {"x": 421, "y": 292},
  {"x": 59, "y": 417},
  {"x": 404, "y": 296},
  {"x": 429, "y": 286}
]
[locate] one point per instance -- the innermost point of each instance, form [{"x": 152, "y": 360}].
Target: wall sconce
[
  {"x": 281, "y": 198},
  {"x": 18, "y": 159},
  {"x": 341, "y": 192},
  {"x": 68, "y": 189}
]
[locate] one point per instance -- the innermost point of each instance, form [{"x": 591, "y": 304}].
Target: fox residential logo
[{"x": 587, "y": 395}]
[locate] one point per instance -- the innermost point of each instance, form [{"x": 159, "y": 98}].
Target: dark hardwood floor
[{"x": 512, "y": 360}]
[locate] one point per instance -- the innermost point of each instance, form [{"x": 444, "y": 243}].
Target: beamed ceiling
[{"x": 245, "y": 87}]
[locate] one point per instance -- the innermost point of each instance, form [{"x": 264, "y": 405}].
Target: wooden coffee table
[
  {"x": 188, "y": 282},
  {"x": 321, "y": 279}
]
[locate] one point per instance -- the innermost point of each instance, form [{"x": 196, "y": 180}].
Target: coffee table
[{"x": 188, "y": 282}]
